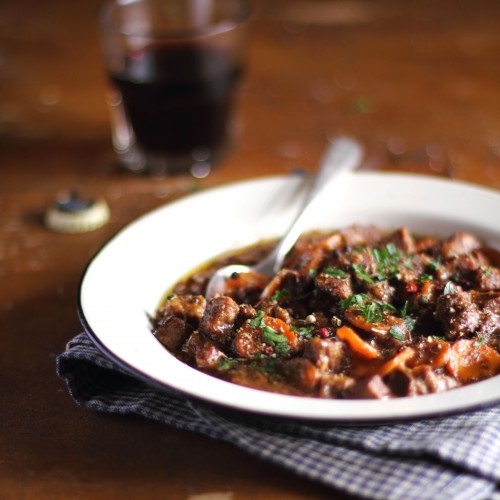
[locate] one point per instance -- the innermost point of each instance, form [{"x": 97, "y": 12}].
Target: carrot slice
[
  {"x": 441, "y": 357},
  {"x": 357, "y": 344},
  {"x": 397, "y": 361},
  {"x": 469, "y": 362},
  {"x": 283, "y": 328}
]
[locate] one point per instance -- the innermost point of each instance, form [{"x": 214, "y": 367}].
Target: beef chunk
[
  {"x": 187, "y": 307},
  {"x": 303, "y": 373},
  {"x": 246, "y": 312},
  {"x": 421, "y": 380},
  {"x": 372, "y": 387},
  {"x": 487, "y": 301},
  {"x": 465, "y": 270},
  {"x": 432, "y": 381},
  {"x": 488, "y": 278},
  {"x": 458, "y": 244},
  {"x": 489, "y": 329},
  {"x": 401, "y": 382},
  {"x": 338, "y": 287},
  {"x": 365, "y": 260},
  {"x": 493, "y": 338},
  {"x": 335, "y": 385},
  {"x": 403, "y": 240},
  {"x": 209, "y": 356},
  {"x": 326, "y": 354},
  {"x": 359, "y": 235},
  {"x": 457, "y": 314},
  {"x": 286, "y": 281},
  {"x": 172, "y": 332},
  {"x": 248, "y": 342},
  {"x": 219, "y": 318},
  {"x": 381, "y": 291},
  {"x": 202, "y": 352},
  {"x": 271, "y": 309}
]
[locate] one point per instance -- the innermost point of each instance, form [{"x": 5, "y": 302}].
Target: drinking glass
[{"x": 174, "y": 70}]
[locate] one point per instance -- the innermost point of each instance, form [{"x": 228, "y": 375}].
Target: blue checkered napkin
[{"x": 454, "y": 458}]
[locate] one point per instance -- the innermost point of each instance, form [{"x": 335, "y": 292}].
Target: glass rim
[{"x": 241, "y": 15}]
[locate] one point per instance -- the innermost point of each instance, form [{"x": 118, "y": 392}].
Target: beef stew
[{"x": 355, "y": 313}]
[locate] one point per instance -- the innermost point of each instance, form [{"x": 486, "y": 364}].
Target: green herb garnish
[
  {"x": 387, "y": 260},
  {"x": 269, "y": 335},
  {"x": 280, "y": 295},
  {"x": 371, "y": 310},
  {"x": 335, "y": 271},
  {"x": 449, "y": 288},
  {"x": 436, "y": 264},
  {"x": 397, "y": 332},
  {"x": 425, "y": 277},
  {"x": 305, "y": 331},
  {"x": 272, "y": 337},
  {"x": 438, "y": 337},
  {"x": 410, "y": 323},
  {"x": 407, "y": 308},
  {"x": 276, "y": 340},
  {"x": 361, "y": 273},
  {"x": 226, "y": 363},
  {"x": 357, "y": 299},
  {"x": 479, "y": 342},
  {"x": 257, "y": 320}
]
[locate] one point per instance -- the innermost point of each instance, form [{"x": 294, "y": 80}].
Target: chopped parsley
[
  {"x": 276, "y": 340},
  {"x": 407, "y": 308},
  {"x": 479, "y": 342},
  {"x": 280, "y": 295},
  {"x": 397, "y": 332},
  {"x": 387, "y": 259},
  {"x": 357, "y": 299},
  {"x": 410, "y": 323},
  {"x": 438, "y": 337},
  {"x": 335, "y": 271},
  {"x": 258, "y": 320},
  {"x": 361, "y": 273},
  {"x": 226, "y": 363},
  {"x": 305, "y": 331},
  {"x": 372, "y": 311},
  {"x": 425, "y": 277},
  {"x": 269, "y": 335},
  {"x": 434, "y": 265},
  {"x": 272, "y": 337}
]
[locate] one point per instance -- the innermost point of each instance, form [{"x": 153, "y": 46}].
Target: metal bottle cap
[{"x": 73, "y": 214}]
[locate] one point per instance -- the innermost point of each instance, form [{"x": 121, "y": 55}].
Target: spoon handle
[{"x": 342, "y": 156}]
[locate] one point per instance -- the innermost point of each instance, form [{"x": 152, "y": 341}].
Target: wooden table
[{"x": 416, "y": 82}]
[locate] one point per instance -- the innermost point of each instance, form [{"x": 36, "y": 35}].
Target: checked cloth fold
[{"x": 454, "y": 457}]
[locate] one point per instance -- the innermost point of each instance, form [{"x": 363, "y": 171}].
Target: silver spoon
[{"x": 342, "y": 156}]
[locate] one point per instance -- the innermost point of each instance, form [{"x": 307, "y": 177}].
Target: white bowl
[{"x": 128, "y": 277}]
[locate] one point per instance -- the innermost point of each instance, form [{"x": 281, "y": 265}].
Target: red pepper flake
[
  {"x": 324, "y": 333},
  {"x": 269, "y": 349},
  {"x": 411, "y": 287}
]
